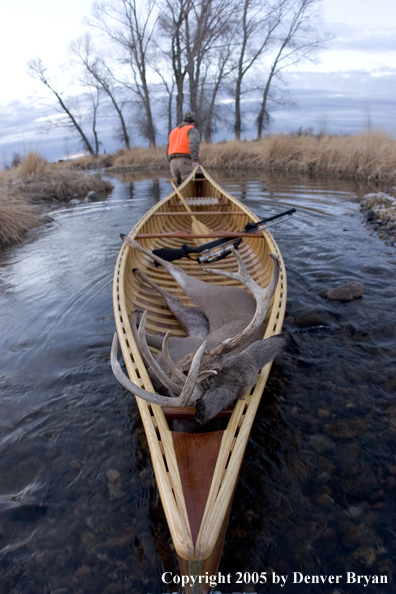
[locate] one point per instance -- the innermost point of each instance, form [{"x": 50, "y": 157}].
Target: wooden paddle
[{"x": 197, "y": 227}]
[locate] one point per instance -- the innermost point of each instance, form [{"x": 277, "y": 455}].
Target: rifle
[{"x": 216, "y": 250}]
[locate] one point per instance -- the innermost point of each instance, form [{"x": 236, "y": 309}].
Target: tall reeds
[
  {"x": 17, "y": 215},
  {"x": 362, "y": 156},
  {"x": 369, "y": 155},
  {"x": 365, "y": 156},
  {"x": 33, "y": 180}
]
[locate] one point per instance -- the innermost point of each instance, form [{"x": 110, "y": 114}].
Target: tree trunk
[
  {"x": 238, "y": 119},
  {"x": 85, "y": 140},
  {"x": 263, "y": 113}
]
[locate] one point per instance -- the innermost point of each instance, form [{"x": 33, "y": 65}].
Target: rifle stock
[{"x": 170, "y": 254}]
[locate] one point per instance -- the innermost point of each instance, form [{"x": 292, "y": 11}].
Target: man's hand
[{"x": 195, "y": 164}]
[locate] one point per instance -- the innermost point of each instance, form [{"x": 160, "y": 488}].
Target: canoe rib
[{"x": 196, "y": 546}]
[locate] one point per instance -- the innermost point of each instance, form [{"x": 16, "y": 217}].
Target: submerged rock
[
  {"x": 347, "y": 292},
  {"x": 379, "y": 209},
  {"x": 92, "y": 195},
  {"x": 317, "y": 317},
  {"x": 321, "y": 443}
]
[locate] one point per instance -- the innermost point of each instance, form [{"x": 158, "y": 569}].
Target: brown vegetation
[
  {"x": 17, "y": 216},
  {"x": 369, "y": 156},
  {"x": 33, "y": 181},
  {"x": 365, "y": 156},
  {"x": 361, "y": 156}
]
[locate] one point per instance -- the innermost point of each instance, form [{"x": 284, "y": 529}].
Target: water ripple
[{"x": 81, "y": 512}]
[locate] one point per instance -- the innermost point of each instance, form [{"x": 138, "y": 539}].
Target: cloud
[
  {"x": 367, "y": 39},
  {"x": 24, "y": 126},
  {"x": 340, "y": 101},
  {"x": 346, "y": 101}
]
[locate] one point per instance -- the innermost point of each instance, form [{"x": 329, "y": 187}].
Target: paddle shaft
[
  {"x": 182, "y": 199},
  {"x": 197, "y": 227}
]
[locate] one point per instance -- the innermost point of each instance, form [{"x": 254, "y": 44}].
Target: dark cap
[{"x": 189, "y": 116}]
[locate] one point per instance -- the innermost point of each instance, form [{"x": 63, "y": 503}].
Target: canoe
[{"x": 196, "y": 473}]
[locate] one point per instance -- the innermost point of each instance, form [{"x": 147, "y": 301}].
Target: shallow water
[{"x": 79, "y": 506}]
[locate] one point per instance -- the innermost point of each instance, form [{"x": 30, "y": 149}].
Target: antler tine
[
  {"x": 242, "y": 275},
  {"x": 187, "y": 395},
  {"x": 186, "y": 398},
  {"x": 151, "y": 397},
  {"x": 173, "y": 370},
  {"x": 262, "y": 296},
  {"x": 151, "y": 362},
  {"x": 204, "y": 374}
]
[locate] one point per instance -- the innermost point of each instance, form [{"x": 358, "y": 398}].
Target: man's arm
[{"x": 193, "y": 140}]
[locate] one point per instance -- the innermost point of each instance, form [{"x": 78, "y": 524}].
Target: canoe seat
[{"x": 197, "y": 200}]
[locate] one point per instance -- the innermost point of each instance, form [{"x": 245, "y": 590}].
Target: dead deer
[{"x": 219, "y": 359}]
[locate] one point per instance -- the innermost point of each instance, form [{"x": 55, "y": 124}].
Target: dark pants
[{"x": 181, "y": 167}]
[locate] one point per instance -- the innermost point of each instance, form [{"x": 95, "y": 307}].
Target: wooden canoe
[{"x": 196, "y": 473}]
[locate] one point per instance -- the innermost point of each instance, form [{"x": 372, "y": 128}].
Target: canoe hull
[{"x": 197, "y": 529}]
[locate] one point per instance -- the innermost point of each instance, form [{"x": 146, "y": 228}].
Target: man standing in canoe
[{"x": 183, "y": 148}]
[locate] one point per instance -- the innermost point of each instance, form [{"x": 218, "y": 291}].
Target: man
[{"x": 183, "y": 148}]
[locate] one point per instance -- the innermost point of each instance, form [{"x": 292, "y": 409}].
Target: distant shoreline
[
  {"x": 28, "y": 186},
  {"x": 369, "y": 156}
]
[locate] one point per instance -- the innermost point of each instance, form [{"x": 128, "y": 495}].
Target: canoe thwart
[
  {"x": 185, "y": 235},
  {"x": 197, "y": 213}
]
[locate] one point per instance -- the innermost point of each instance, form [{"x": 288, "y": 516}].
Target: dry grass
[
  {"x": 32, "y": 164},
  {"x": 141, "y": 158},
  {"x": 362, "y": 156},
  {"x": 17, "y": 216},
  {"x": 63, "y": 184},
  {"x": 369, "y": 155},
  {"x": 30, "y": 183},
  {"x": 365, "y": 156},
  {"x": 135, "y": 158}
]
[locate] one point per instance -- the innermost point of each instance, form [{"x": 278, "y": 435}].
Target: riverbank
[
  {"x": 369, "y": 156},
  {"x": 28, "y": 189},
  {"x": 80, "y": 508}
]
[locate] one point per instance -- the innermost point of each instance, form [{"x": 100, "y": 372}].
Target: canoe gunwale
[{"x": 236, "y": 434}]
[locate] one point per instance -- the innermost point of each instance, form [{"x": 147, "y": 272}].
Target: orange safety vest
[{"x": 178, "y": 141}]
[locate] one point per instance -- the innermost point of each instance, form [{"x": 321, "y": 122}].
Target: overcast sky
[{"x": 353, "y": 84}]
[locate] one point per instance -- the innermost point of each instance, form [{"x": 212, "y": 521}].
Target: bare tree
[
  {"x": 298, "y": 41},
  {"x": 95, "y": 100},
  {"x": 193, "y": 31},
  {"x": 38, "y": 71},
  {"x": 205, "y": 22},
  {"x": 97, "y": 74},
  {"x": 130, "y": 25},
  {"x": 258, "y": 22},
  {"x": 169, "y": 86},
  {"x": 171, "y": 25},
  {"x": 223, "y": 63}
]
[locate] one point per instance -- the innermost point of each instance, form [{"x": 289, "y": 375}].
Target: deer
[{"x": 219, "y": 359}]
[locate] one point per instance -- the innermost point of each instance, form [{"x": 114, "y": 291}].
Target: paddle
[{"x": 197, "y": 227}]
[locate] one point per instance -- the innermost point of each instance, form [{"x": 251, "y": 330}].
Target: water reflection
[{"x": 80, "y": 510}]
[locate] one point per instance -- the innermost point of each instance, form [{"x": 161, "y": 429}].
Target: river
[{"x": 79, "y": 506}]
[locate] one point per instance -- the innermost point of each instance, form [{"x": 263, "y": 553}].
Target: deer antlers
[
  {"x": 186, "y": 397},
  {"x": 187, "y": 385},
  {"x": 262, "y": 296}
]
